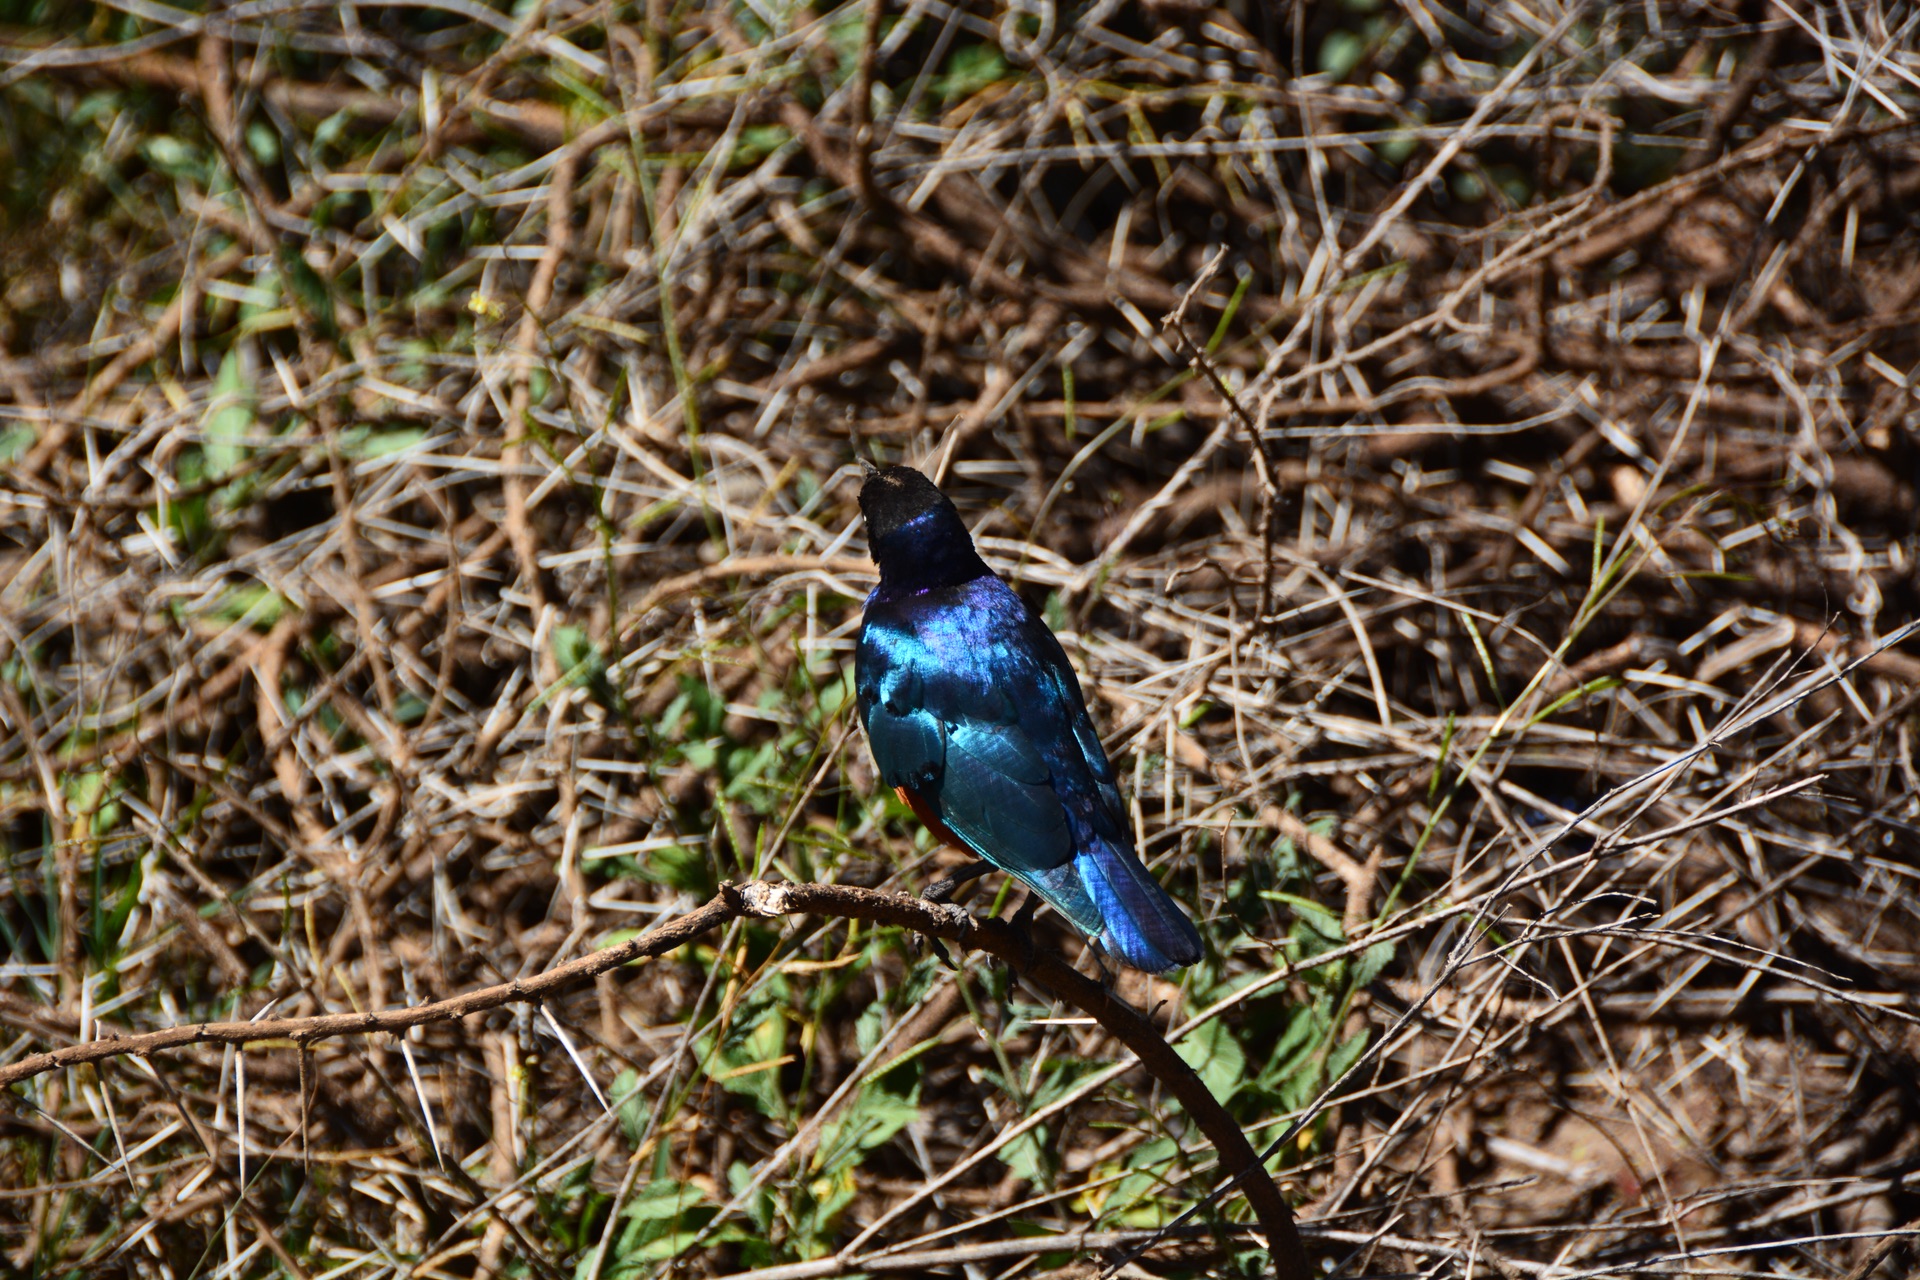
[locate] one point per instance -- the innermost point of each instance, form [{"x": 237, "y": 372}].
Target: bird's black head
[
  {"x": 893, "y": 497},
  {"x": 914, "y": 532}
]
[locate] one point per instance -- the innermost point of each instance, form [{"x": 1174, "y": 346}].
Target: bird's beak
[{"x": 866, "y": 466}]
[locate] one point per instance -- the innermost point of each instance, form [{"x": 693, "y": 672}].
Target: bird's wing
[
  {"x": 1141, "y": 921},
  {"x": 952, "y": 733},
  {"x": 1105, "y": 812}
]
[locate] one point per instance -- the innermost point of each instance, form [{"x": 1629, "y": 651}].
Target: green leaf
[
  {"x": 1341, "y": 52},
  {"x": 816, "y": 1211},
  {"x": 584, "y": 663},
  {"x": 709, "y": 708},
  {"x": 663, "y": 1201},
  {"x": 661, "y": 1221},
  {"x": 869, "y": 1026},
  {"x": 759, "y": 1205},
  {"x": 746, "y": 767},
  {"x": 758, "y": 141},
  {"x": 971, "y": 68},
  {"x": 1315, "y": 917},
  {"x": 1397, "y": 147},
  {"x": 306, "y": 289},
  {"x": 86, "y": 792},
  {"x": 110, "y": 922},
  {"x": 678, "y": 867},
  {"x": 1298, "y": 1034},
  {"x": 1468, "y": 188},
  {"x": 229, "y": 419},
  {"x": 1026, "y": 1157},
  {"x": 1137, "y": 1199},
  {"x": 1152, "y": 1156},
  {"x": 15, "y": 441},
  {"x": 174, "y": 158},
  {"x": 263, "y": 142},
  {"x": 1212, "y": 1051},
  {"x": 632, "y": 1105},
  {"x": 1372, "y": 962},
  {"x": 255, "y": 604},
  {"x": 750, "y": 1055},
  {"x": 363, "y": 443},
  {"x": 574, "y": 650},
  {"x": 876, "y": 1114},
  {"x": 834, "y": 694},
  {"x": 1346, "y": 1054}
]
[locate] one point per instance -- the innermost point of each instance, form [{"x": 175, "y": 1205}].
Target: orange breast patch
[{"x": 924, "y": 811}]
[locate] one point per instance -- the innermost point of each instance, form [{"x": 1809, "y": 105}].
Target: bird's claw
[
  {"x": 941, "y": 891},
  {"x": 955, "y": 914},
  {"x": 939, "y": 896}
]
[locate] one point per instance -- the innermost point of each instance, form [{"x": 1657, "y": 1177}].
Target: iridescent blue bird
[{"x": 976, "y": 719}]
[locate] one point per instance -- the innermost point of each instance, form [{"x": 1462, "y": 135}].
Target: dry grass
[{"x": 429, "y": 554}]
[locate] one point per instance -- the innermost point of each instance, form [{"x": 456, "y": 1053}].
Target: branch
[{"x": 764, "y": 900}]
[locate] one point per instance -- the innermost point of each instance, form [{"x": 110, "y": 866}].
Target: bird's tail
[{"x": 1143, "y": 925}]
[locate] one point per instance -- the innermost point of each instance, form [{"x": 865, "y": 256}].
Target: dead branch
[{"x": 763, "y": 900}]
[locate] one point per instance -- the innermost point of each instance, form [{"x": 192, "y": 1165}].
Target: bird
[{"x": 976, "y": 719}]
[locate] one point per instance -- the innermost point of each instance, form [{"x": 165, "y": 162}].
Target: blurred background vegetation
[{"x": 428, "y": 552}]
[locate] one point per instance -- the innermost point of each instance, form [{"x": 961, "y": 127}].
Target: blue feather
[{"x": 971, "y": 705}]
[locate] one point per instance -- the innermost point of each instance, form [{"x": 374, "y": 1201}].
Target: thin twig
[{"x": 767, "y": 900}]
